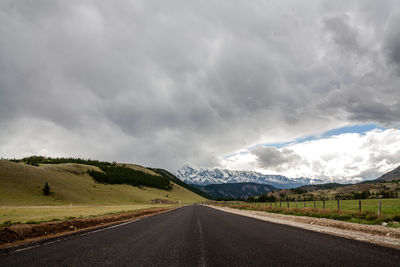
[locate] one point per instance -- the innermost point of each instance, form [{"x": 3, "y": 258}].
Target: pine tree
[{"x": 46, "y": 189}]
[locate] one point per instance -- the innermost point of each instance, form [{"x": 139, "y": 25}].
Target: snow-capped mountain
[{"x": 201, "y": 176}]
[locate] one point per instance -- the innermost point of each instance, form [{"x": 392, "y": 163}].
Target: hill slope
[
  {"x": 21, "y": 184},
  {"x": 235, "y": 190},
  {"x": 390, "y": 176},
  {"x": 370, "y": 189},
  {"x": 174, "y": 179}
]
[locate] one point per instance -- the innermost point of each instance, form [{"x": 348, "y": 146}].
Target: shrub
[
  {"x": 371, "y": 217},
  {"x": 396, "y": 218}
]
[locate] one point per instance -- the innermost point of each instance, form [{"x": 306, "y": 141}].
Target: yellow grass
[
  {"x": 21, "y": 184},
  {"x": 21, "y": 198},
  {"x": 25, "y": 214}
]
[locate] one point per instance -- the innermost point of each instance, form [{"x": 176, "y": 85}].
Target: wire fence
[{"x": 377, "y": 206}]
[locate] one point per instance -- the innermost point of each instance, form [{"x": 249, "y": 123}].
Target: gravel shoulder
[{"x": 376, "y": 234}]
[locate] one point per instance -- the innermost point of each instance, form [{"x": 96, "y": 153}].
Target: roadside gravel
[{"x": 384, "y": 236}]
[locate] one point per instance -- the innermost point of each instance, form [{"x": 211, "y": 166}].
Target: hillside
[
  {"x": 390, "y": 176},
  {"x": 235, "y": 190},
  {"x": 380, "y": 189},
  {"x": 21, "y": 184}
]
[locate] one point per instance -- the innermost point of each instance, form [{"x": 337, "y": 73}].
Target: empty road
[{"x": 201, "y": 236}]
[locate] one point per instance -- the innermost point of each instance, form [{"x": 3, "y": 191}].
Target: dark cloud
[
  {"x": 343, "y": 33},
  {"x": 166, "y": 84},
  {"x": 392, "y": 44},
  {"x": 274, "y": 159}
]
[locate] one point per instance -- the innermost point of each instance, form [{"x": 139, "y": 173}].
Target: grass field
[
  {"x": 389, "y": 206},
  {"x": 349, "y": 209},
  {"x": 22, "y": 200},
  {"x": 35, "y": 214},
  {"x": 21, "y": 184},
  {"x": 343, "y": 191}
]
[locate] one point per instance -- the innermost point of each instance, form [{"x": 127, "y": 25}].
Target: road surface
[{"x": 201, "y": 236}]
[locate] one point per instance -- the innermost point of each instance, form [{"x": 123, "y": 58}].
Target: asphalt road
[{"x": 201, "y": 236}]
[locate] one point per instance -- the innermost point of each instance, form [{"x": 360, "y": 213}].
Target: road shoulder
[
  {"x": 25, "y": 235},
  {"x": 388, "y": 237}
]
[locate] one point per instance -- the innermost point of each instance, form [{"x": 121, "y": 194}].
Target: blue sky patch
[{"x": 360, "y": 129}]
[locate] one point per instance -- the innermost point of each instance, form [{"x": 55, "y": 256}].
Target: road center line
[{"x": 202, "y": 261}]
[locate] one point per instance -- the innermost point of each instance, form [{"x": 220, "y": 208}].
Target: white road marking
[
  {"x": 202, "y": 261},
  {"x": 73, "y": 236},
  {"x": 87, "y": 233}
]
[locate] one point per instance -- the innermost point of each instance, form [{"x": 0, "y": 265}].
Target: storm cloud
[
  {"x": 167, "y": 83},
  {"x": 277, "y": 159}
]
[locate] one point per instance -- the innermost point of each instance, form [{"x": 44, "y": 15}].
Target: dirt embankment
[{"x": 19, "y": 234}]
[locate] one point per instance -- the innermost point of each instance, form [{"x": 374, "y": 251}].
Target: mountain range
[
  {"x": 204, "y": 176},
  {"x": 235, "y": 190}
]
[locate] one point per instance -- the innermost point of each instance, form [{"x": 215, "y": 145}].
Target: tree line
[
  {"x": 112, "y": 173},
  {"x": 176, "y": 180}
]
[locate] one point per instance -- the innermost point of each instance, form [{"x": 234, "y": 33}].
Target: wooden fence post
[
  {"x": 296, "y": 203},
  {"x": 359, "y": 205},
  {"x": 280, "y": 203},
  {"x": 379, "y": 207},
  {"x": 315, "y": 205},
  {"x": 338, "y": 205},
  {"x": 323, "y": 204}
]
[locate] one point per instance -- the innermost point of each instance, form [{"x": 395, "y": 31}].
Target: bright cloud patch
[{"x": 335, "y": 158}]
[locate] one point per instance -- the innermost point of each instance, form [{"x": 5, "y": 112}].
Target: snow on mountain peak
[{"x": 203, "y": 176}]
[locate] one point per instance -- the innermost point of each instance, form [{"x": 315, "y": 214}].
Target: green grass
[
  {"x": 21, "y": 184},
  {"x": 389, "y": 206},
  {"x": 348, "y": 210},
  {"x": 36, "y": 214},
  {"x": 22, "y": 200}
]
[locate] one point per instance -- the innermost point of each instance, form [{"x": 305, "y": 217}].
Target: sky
[{"x": 300, "y": 88}]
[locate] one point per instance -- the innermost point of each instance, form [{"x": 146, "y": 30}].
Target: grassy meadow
[
  {"x": 36, "y": 214},
  {"x": 390, "y": 206},
  {"x": 349, "y": 209},
  {"x": 75, "y": 193}
]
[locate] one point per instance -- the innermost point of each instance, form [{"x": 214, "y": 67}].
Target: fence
[{"x": 377, "y": 206}]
